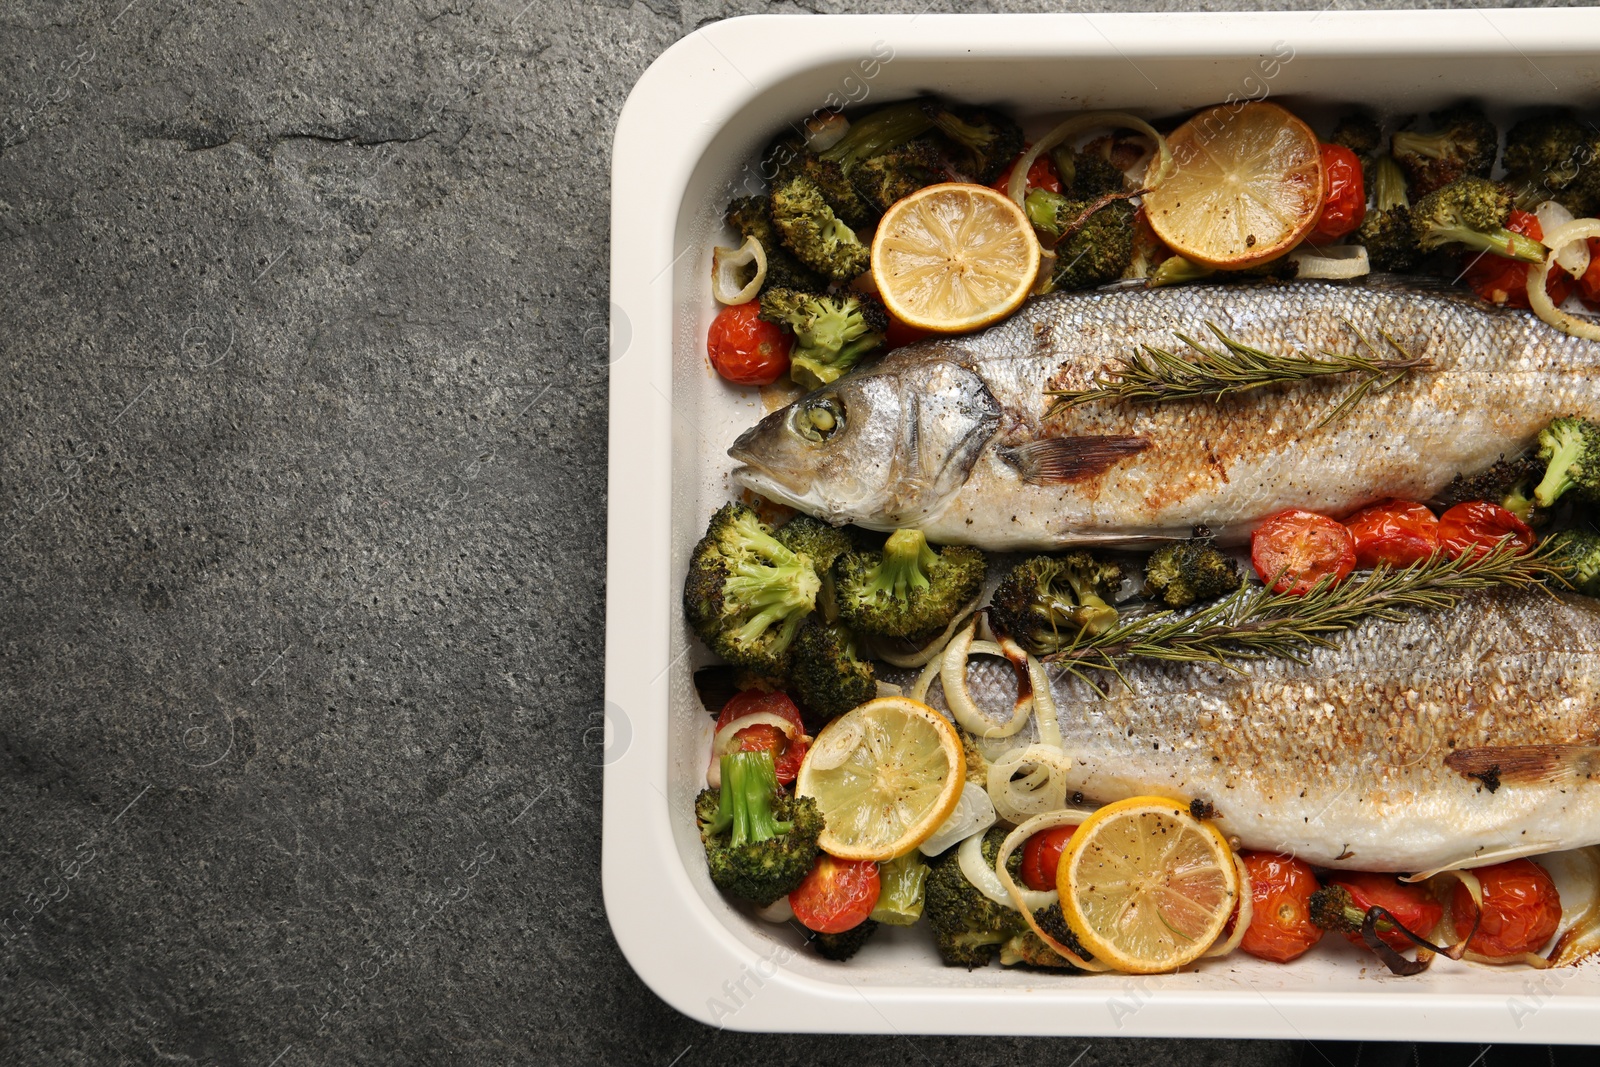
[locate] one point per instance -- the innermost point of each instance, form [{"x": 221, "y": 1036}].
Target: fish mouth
[{"x": 764, "y": 483}]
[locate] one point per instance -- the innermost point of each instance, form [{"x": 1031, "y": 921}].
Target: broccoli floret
[
  {"x": 874, "y": 134},
  {"x": 840, "y": 947},
  {"x": 1084, "y": 175},
  {"x": 907, "y": 589},
  {"x": 893, "y": 175},
  {"x": 832, "y": 331},
  {"x": 1358, "y": 132},
  {"x": 837, "y": 189},
  {"x": 752, "y": 217},
  {"x": 1046, "y": 602},
  {"x": 1504, "y": 479},
  {"x": 968, "y": 927},
  {"x": 902, "y": 886},
  {"x": 1100, "y": 250},
  {"x": 1472, "y": 213},
  {"x": 760, "y": 843},
  {"x": 828, "y": 674},
  {"x": 1547, "y": 151},
  {"x": 986, "y": 140},
  {"x": 746, "y": 595},
  {"x": 1579, "y": 552},
  {"x": 809, "y": 228},
  {"x": 1464, "y": 145},
  {"x": 1188, "y": 571},
  {"x": 822, "y": 544},
  {"x": 1570, "y": 449},
  {"x": 1386, "y": 231}
]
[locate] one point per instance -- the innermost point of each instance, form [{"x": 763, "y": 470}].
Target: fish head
[{"x": 884, "y": 448}]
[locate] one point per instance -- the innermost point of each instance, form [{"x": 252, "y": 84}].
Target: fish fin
[
  {"x": 1495, "y": 765},
  {"x": 1483, "y": 858},
  {"x": 1059, "y": 460}
]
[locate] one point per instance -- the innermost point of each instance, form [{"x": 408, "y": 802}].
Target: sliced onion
[
  {"x": 1018, "y": 895},
  {"x": 984, "y": 880},
  {"x": 726, "y": 263},
  {"x": 778, "y": 911},
  {"x": 928, "y": 651},
  {"x": 1242, "y": 918},
  {"x": 723, "y": 741},
  {"x": 1444, "y": 891},
  {"x": 1017, "y": 187},
  {"x": 1044, "y": 703},
  {"x": 1044, "y": 789},
  {"x": 953, "y": 673},
  {"x": 1572, "y": 257},
  {"x": 1588, "y": 329},
  {"x": 973, "y": 815},
  {"x": 889, "y": 689},
  {"x": 1581, "y": 939},
  {"x": 924, "y": 682},
  {"x": 825, "y": 130},
  {"x": 1338, "y": 263}
]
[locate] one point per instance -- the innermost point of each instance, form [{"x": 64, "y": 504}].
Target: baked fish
[
  {"x": 951, "y": 435},
  {"x": 1456, "y": 738}
]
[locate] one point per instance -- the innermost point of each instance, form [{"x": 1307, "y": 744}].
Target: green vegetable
[
  {"x": 986, "y": 141},
  {"x": 752, "y": 217},
  {"x": 1504, "y": 480},
  {"x": 760, "y": 843},
  {"x": 1085, "y": 175},
  {"x": 1546, "y": 155},
  {"x": 1464, "y": 145},
  {"x": 829, "y": 677},
  {"x": 810, "y": 229},
  {"x": 1045, "y": 603},
  {"x": 832, "y": 331},
  {"x": 1472, "y": 213},
  {"x": 1386, "y": 231},
  {"x": 878, "y": 132},
  {"x": 746, "y": 595},
  {"x": 840, "y": 947},
  {"x": 1098, "y": 252},
  {"x": 968, "y": 927},
  {"x": 822, "y": 544},
  {"x": 902, "y": 883},
  {"x": 1570, "y": 448},
  {"x": 907, "y": 589},
  {"x": 1579, "y": 553},
  {"x": 839, "y": 192},
  {"x": 1188, "y": 571},
  {"x": 893, "y": 175},
  {"x": 1358, "y": 132}
]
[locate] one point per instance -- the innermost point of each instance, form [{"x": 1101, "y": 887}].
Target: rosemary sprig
[
  {"x": 1256, "y": 623},
  {"x": 1155, "y": 374}
]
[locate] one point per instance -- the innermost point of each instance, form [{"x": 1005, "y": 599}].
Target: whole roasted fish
[
  {"x": 951, "y": 436},
  {"x": 1462, "y": 737}
]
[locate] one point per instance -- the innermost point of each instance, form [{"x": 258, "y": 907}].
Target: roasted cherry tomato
[
  {"x": 900, "y": 333},
  {"x": 1299, "y": 547},
  {"x": 1478, "y": 526},
  {"x": 837, "y": 895},
  {"x": 1396, "y": 532},
  {"x": 786, "y": 754},
  {"x": 746, "y": 350},
  {"x": 1345, "y": 204},
  {"x": 1041, "y": 175},
  {"x": 1505, "y": 281},
  {"x": 1280, "y": 899},
  {"x": 1521, "y": 909},
  {"x": 1589, "y": 284},
  {"x": 1041, "y": 856},
  {"x": 1410, "y": 903}
]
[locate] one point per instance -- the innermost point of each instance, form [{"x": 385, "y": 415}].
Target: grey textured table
[{"x": 302, "y": 313}]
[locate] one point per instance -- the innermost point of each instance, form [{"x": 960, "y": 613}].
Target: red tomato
[
  {"x": 1505, "y": 281},
  {"x": 1041, "y": 856},
  {"x": 1410, "y": 903},
  {"x": 1478, "y": 526},
  {"x": 837, "y": 895},
  {"x": 746, "y": 350},
  {"x": 1589, "y": 284},
  {"x": 1041, "y": 175},
  {"x": 901, "y": 334},
  {"x": 786, "y": 754},
  {"x": 1301, "y": 546},
  {"x": 1280, "y": 897},
  {"x": 1345, "y": 205},
  {"x": 1396, "y": 532},
  {"x": 1521, "y": 909}
]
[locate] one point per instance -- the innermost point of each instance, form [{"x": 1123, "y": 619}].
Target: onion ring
[
  {"x": 725, "y": 266},
  {"x": 953, "y": 675},
  {"x": 1241, "y": 918},
  {"x": 1041, "y": 822},
  {"x": 927, "y": 652},
  {"x": 1539, "y": 299},
  {"x": 1017, "y": 186},
  {"x": 1043, "y": 790}
]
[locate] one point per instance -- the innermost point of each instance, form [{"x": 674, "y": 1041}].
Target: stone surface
[{"x": 302, "y": 464}]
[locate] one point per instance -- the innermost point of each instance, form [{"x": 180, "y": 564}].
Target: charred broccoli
[
  {"x": 760, "y": 843},
  {"x": 968, "y": 927},
  {"x": 746, "y": 595},
  {"x": 1046, "y": 602},
  {"x": 752, "y": 217},
  {"x": 986, "y": 141},
  {"x": 908, "y": 589},
  {"x": 809, "y": 228},
  {"x": 1464, "y": 145},
  {"x": 822, "y": 544},
  {"x": 878, "y": 132},
  {"x": 1504, "y": 480},
  {"x": 1580, "y": 553},
  {"x": 1570, "y": 449},
  {"x": 828, "y": 674},
  {"x": 1358, "y": 132},
  {"x": 1544, "y": 157},
  {"x": 1188, "y": 571},
  {"x": 1098, "y": 252},
  {"x": 1386, "y": 231},
  {"x": 1084, "y": 175},
  {"x": 832, "y": 331},
  {"x": 840, "y": 947},
  {"x": 838, "y": 191},
  {"x": 893, "y": 175},
  {"x": 1471, "y": 212}
]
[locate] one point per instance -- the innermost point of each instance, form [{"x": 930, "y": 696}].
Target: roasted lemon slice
[
  {"x": 1145, "y": 886},
  {"x": 885, "y": 776},
  {"x": 954, "y": 257}
]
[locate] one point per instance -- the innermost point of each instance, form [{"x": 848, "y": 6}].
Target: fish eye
[{"x": 820, "y": 418}]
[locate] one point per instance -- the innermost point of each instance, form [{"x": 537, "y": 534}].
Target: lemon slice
[
  {"x": 885, "y": 775},
  {"x": 954, "y": 257},
  {"x": 1145, "y": 886},
  {"x": 1246, "y": 186}
]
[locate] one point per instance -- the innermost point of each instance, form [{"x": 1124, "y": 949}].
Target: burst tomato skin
[
  {"x": 1280, "y": 894},
  {"x": 1395, "y": 532},
  {"x": 837, "y": 895},
  {"x": 1477, "y": 526},
  {"x": 1505, "y": 281},
  {"x": 786, "y": 755},
  {"x": 1410, "y": 903},
  {"x": 1344, "y": 207},
  {"x": 1041, "y": 857},
  {"x": 1521, "y": 909},
  {"x": 746, "y": 350},
  {"x": 1589, "y": 284},
  {"x": 1041, "y": 175},
  {"x": 1300, "y": 547}
]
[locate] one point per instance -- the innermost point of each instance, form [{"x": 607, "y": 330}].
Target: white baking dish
[{"x": 683, "y": 147}]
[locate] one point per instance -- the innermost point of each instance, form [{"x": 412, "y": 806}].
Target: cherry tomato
[
  {"x": 900, "y": 333},
  {"x": 1041, "y": 175},
  {"x": 1505, "y": 281},
  {"x": 746, "y": 350},
  {"x": 1345, "y": 205},
  {"x": 837, "y": 895},
  {"x": 1410, "y": 903},
  {"x": 1301, "y": 546},
  {"x": 1041, "y": 856},
  {"x": 1280, "y": 898},
  {"x": 1589, "y": 284},
  {"x": 1396, "y": 532},
  {"x": 1521, "y": 909},
  {"x": 786, "y": 754},
  {"x": 1478, "y": 526}
]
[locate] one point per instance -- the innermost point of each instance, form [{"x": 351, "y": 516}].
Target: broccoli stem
[
  {"x": 749, "y": 783},
  {"x": 906, "y": 562},
  {"x": 1500, "y": 242},
  {"x": 1390, "y": 183},
  {"x": 1569, "y": 447},
  {"x": 878, "y": 132}
]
